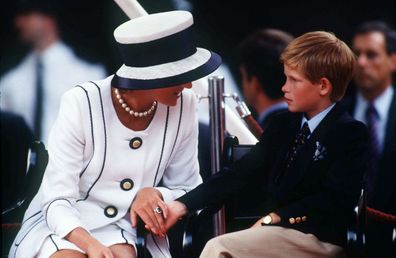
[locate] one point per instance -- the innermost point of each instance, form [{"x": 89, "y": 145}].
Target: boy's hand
[
  {"x": 275, "y": 219},
  {"x": 176, "y": 210}
]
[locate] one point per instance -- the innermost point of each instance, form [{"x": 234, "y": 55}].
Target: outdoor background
[{"x": 87, "y": 25}]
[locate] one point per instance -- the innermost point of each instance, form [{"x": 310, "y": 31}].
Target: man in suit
[
  {"x": 262, "y": 73},
  {"x": 34, "y": 87},
  {"x": 310, "y": 162},
  {"x": 374, "y": 103}
]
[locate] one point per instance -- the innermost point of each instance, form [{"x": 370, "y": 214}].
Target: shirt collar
[
  {"x": 381, "y": 103},
  {"x": 54, "y": 53},
  {"x": 315, "y": 121}
]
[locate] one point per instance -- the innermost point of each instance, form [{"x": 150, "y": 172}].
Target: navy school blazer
[{"x": 319, "y": 190}]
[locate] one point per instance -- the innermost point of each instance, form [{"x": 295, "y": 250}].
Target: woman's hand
[
  {"x": 97, "y": 250},
  {"x": 94, "y": 249},
  {"x": 146, "y": 206}
]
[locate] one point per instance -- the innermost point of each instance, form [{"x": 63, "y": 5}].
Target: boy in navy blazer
[{"x": 310, "y": 162}]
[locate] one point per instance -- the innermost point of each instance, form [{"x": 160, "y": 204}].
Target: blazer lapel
[{"x": 304, "y": 157}]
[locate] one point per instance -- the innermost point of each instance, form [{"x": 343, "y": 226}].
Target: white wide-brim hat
[{"x": 159, "y": 51}]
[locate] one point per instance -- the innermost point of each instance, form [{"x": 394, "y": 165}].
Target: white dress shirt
[
  {"x": 62, "y": 70},
  {"x": 382, "y": 105}
]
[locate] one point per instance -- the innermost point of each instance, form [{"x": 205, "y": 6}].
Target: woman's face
[{"x": 169, "y": 96}]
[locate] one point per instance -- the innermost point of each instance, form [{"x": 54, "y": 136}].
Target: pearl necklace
[{"x": 129, "y": 110}]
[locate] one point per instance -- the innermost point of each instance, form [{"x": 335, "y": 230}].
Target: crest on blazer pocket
[{"x": 320, "y": 152}]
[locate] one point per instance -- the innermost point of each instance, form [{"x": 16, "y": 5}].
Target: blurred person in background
[
  {"x": 374, "y": 103},
  {"x": 262, "y": 72},
  {"x": 34, "y": 87}
]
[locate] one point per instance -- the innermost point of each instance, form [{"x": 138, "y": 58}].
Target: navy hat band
[
  {"x": 164, "y": 50},
  {"x": 192, "y": 75}
]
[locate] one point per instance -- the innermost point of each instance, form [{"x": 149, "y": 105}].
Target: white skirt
[{"x": 108, "y": 235}]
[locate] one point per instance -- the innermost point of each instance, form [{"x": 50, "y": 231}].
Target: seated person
[
  {"x": 310, "y": 161},
  {"x": 115, "y": 140}
]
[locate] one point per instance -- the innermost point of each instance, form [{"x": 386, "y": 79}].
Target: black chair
[
  {"x": 356, "y": 228},
  {"x": 241, "y": 210},
  {"x": 13, "y": 214}
]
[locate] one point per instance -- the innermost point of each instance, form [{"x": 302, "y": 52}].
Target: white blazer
[{"x": 93, "y": 174}]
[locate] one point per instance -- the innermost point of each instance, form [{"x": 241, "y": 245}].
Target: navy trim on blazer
[
  {"x": 140, "y": 84},
  {"x": 163, "y": 145},
  {"x": 159, "y": 164},
  {"x": 178, "y": 126},
  {"x": 57, "y": 249},
  {"x": 92, "y": 133},
  {"x": 46, "y": 212},
  {"x": 23, "y": 238},
  {"x": 23, "y": 222},
  {"x": 122, "y": 234},
  {"x": 156, "y": 244},
  {"x": 164, "y": 50},
  {"x": 105, "y": 145}
]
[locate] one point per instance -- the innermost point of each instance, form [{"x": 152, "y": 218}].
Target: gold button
[
  {"x": 304, "y": 218},
  {"x": 126, "y": 184},
  {"x": 292, "y": 220},
  {"x": 298, "y": 219},
  {"x": 110, "y": 211},
  {"x": 135, "y": 143}
]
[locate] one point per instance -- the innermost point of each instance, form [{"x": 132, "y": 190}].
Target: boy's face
[{"x": 301, "y": 94}]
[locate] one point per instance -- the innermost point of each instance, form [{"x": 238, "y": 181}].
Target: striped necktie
[
  {"x": 371, "y": 116},
  {"x": 301, "y": 138}
]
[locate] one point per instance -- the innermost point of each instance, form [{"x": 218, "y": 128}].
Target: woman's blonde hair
[{"x": 320, "y": 54}]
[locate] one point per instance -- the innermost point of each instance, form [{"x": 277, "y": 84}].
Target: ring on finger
[{"x": 158, "y": 210}]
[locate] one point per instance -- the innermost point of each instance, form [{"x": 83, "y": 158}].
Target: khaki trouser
[{"x": 271, "y": 242}]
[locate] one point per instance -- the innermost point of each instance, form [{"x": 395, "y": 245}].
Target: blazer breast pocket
[{"x": 320, "y": 152}]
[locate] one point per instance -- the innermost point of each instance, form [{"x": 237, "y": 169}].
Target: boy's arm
[{"x": 232, "y": 179}]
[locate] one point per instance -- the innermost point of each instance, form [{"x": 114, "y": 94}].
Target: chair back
[
  {"x": 12, "y": 216},
  {"x": 356, "y": 228},
  {"x": 241, "y": 211}
]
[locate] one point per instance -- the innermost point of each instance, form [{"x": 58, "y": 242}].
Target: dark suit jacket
[
  {"x": 324, "y": 189},
  {"x": 383, "y": 195}
]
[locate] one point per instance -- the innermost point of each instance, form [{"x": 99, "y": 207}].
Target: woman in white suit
[{"x": 121, "y": 147}]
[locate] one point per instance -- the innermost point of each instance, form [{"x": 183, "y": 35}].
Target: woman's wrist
[{"x": 82, "y": 238}]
